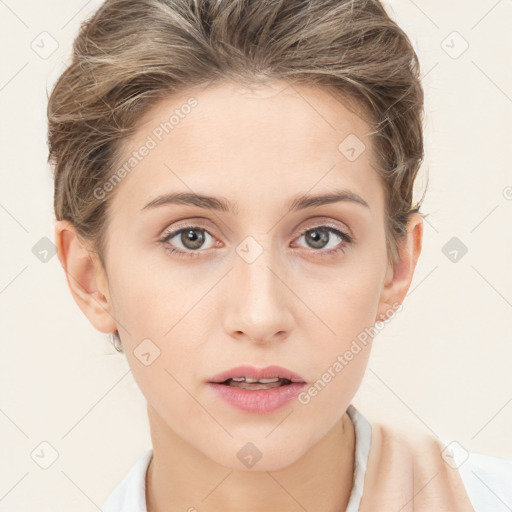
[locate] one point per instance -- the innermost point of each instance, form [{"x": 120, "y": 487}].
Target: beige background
[{"x": 443, "y": 364}]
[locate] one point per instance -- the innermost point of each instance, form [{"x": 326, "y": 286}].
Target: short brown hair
[{"x": 132, "y": 53}]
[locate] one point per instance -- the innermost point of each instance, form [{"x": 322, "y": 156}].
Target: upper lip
[{"x": 268, "y": 372}]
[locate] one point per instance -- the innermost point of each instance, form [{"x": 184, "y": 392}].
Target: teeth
[
  {"x": 254, "y": 386},
  {"x": 252, "y": 381}
]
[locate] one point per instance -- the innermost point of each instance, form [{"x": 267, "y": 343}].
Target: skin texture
[{"x": 259, "y": 148}]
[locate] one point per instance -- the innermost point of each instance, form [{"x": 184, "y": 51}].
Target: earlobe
[
  {"x": 399, "y": 276},
  {"x": 85, "y": 277}
]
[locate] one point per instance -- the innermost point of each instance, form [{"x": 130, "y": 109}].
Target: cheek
[
  {"x": 347, "y": 299},
  {"x": 163, "y": 314},
  {"x": 346, "y": 307},
  {"x": 148, "y": 299},
  {"x": 339, "y": 351}
]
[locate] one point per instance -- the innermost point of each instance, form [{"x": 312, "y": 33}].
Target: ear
[
  {"x": 399, "y": 276},
  {"x": 85, "y": 276}
]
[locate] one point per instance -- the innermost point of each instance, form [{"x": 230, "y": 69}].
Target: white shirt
[{"x": 487, "y": 479}]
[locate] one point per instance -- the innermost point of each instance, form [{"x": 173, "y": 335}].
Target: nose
[{"x": 258, "y": 307}]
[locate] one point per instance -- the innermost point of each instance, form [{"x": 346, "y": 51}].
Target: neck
[{"x": 180, "y": 478}]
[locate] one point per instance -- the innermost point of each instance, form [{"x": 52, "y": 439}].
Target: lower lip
[{"x": 258, "y": 401}]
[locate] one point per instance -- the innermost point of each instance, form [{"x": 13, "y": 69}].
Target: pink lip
[
  {"x": 261, "y": 400},
  {"x": 258, "y": 373}
]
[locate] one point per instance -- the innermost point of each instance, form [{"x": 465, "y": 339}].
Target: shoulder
[
  {"x": 486, "y": 478},
  {"x": 130, "y": 494}
]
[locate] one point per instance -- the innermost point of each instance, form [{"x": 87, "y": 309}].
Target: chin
[{"x": 257, "y": 455}]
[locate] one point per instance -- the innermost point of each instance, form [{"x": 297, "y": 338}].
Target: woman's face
[{"x": 251, "y": 280}]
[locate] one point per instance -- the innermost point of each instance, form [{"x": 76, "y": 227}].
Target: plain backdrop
[{"x": 68, "y": 400}]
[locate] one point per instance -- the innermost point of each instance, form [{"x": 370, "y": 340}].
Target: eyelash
[{"x": 347, "y": 239}]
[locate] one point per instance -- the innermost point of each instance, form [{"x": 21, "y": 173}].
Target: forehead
[
  {"x": 295, "y": 113},
  {"x": 235, "y": 139}
]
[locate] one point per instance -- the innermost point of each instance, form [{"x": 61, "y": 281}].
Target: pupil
[
  {"x": 190, "y": 240},
  {"x": 320, "y": 239}
]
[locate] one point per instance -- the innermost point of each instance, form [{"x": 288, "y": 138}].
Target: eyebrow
[
  {"x": 311, "y": 201},
  {"x": 224, "y": 205}
]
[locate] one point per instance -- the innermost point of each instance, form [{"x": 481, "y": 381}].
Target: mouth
[
  {"x": 248, "y": 377},
  {"x": 255, "y": 384},
  {"x": 254, "y": 390}
]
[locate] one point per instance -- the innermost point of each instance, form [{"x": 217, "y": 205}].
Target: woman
[{"x": 234, "y": 202}]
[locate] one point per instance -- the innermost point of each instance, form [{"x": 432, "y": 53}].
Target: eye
[
  {"x": 329, "y": 239},
  {"x": 188, "y": 240}
]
